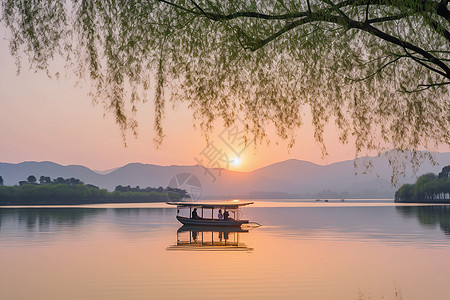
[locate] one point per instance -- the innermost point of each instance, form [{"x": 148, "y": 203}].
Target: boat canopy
[{"x": 228, "y": 204}]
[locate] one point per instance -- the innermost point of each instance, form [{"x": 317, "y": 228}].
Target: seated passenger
[
  {"x": 220, "y": 216},
  {"x": 226, "y": 216},
  {"x": 194, "y": 214}
]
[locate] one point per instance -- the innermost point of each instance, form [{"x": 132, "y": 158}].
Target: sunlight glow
[{"x": 235, "y": 162}]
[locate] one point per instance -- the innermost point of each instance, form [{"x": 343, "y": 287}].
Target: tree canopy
[
  {"x": 378, "y": 69},
  {"x": 72, "y": 191},
  {"x": 445, "y": 172},
  {"x": 31, "y": 179},
  {"x": 428, "y": 188}
]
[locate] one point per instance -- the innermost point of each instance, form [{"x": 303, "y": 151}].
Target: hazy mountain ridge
[{"x": 287, "y": 179}]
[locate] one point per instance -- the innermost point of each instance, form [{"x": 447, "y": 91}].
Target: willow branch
[
  {"x": 348, "y": 23},
  {"x": 342, "y": 19},
  {"x": 389, "y": 18},
  {"x": 421, "y": 61},
  {"x": 442, "y": 10},
  {"x": 377, "y": 71},
  {"x": 435, "y": 84},
  {"x": 437, "y": 27}
]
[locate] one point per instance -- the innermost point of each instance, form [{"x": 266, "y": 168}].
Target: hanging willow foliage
[{"x": 380, "y": 70}]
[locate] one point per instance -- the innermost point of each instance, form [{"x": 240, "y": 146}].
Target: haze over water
[{"x": 308, "y": 250}]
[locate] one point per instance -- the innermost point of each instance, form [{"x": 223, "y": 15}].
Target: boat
[{"x": 208, "y": 213}]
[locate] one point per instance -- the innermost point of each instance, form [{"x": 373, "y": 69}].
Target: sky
[{"x": 49, "y": 119}]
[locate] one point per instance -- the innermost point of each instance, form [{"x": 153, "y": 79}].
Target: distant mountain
[
  {"x": 344, "y": 178},
  {"x": 104, "y": 172},
  {"x": 287, "y": 179}
]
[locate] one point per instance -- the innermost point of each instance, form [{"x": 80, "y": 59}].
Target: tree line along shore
[
  {"x": 73, "y": 191},
  {"x": 429, "y": 188}
]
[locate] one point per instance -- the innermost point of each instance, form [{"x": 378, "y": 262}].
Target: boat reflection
[{"x": 209, "y": 238}]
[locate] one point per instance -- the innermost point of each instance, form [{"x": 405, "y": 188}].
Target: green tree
[
  {"x": 428, "y": 188},
  {"x": 44, "y": 180},
  {"x": 378, "y": 69},
  {"x": 446, "y": 188},
  {"x": 59, "y": 180},
  {"x": 405, "y": 193},
  {"x": 445, "y": 172},
  {"x": 422, "y": 188},
  {"x": 31, "y": 179},
  {"x": 74, "y": 181},
  {"x": 1, "y": 180}
]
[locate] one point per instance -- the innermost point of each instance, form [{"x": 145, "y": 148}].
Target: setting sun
[{"x": 235, "y": 162}]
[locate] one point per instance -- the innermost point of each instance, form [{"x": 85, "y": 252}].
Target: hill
[{"x": 287, "y": 179}]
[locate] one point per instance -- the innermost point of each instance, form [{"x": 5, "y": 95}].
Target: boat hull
[
  {"x": 210, "y": 222},
  {"x": 222, "y": 229}
]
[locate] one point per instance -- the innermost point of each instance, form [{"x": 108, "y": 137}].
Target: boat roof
[{"x": 225, "y": 204}]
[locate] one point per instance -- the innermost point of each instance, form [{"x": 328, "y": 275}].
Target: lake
[{"x": 357, "y": 249}]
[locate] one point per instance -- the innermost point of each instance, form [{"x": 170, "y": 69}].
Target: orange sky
[{"x": 50, "y": 119}]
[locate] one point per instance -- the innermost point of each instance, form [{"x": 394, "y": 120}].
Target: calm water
[{"x": 308, "y": 250}]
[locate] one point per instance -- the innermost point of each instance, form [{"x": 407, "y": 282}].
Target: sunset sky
[{"x": 50, "y": 119}]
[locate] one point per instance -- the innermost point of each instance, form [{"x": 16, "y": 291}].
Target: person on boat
[
  {"x": 226, "y": 215},
  {"x": 194, "y": 214},
  {"x": 220, "y": 215}
]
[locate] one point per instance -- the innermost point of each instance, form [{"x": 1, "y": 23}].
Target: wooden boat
[
  {"x": 225, "y": 229},
  {"x": 211, "y": 222},
  {"x": 207, "y": 215}
]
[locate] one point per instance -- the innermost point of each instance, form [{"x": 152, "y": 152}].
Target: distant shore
[{"x": 79, "y": 194}]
